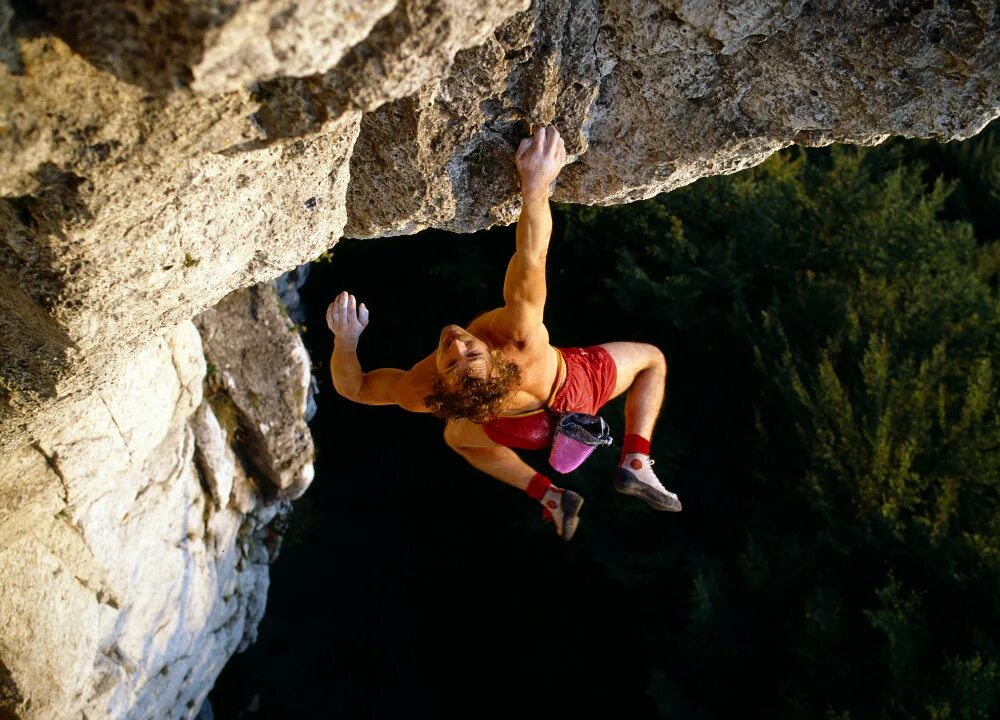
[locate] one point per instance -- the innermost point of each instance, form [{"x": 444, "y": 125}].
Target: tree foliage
[{"x": 832, "y": 331}]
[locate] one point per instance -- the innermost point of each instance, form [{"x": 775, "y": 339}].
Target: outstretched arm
[
  {"x": 539, "y": 160},
  {"x": 385, "y": 386}
]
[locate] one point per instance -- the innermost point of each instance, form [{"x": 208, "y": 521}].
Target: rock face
[
  {"x": 184, "y": 223},
  {"x": 134, "y": 542},
  {"x": 262, "y": 370},
  {"x": 156, "y": 156}
]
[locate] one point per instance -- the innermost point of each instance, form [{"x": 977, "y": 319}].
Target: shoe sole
[
  {"x": 571, "y": 504},
  {"x": 628, "y": 484}
]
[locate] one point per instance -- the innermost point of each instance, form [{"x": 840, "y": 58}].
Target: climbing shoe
[
  {"x": 562, "y": 507},
  {"x": 635, "y": 476}
]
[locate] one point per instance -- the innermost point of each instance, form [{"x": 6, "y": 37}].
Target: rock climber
[{"x": 501, "y": 385}]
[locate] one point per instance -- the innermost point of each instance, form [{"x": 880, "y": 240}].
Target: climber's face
[{"x": 460, "y": 352}]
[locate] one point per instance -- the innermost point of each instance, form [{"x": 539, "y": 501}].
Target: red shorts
[{"x": 590, "y": 380}]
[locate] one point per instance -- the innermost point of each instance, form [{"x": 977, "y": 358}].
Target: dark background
[
  {"x": 831, "y": 322},
  {"x": 412, "y": 584}
]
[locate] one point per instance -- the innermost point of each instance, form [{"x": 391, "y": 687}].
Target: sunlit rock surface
[
  {"x": 157, "y": 156},
  {"x": 154, "y": 218},
  {"x": 134, "y": 541}
]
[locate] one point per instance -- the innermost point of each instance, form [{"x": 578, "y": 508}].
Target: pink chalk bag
[{"x": 576, "y": 435}]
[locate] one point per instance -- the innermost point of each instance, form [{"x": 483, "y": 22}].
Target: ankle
[
  {"x": 537, "y": 487},
  {"x": 633, "y": 444}
]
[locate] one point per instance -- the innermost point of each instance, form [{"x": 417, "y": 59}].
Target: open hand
[
  {"x": 347, "y": 320},
  {"x": 539, "y": 159}
]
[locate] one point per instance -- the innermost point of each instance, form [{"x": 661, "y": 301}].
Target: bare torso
[{"x": 537, "y": 359}]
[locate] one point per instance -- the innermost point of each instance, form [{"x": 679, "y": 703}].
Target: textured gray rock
[
  {"x": 114, "y": 571},
  {"x": 147, "y": 224},
  {"x": 414, "y": 44},
  {"x": 261, "y": 374},
  {"x": 212, "y": 46},
  {"x": 9, "y": 55},
  {"x": 134, "y": 541},
  {"x": 653, "y": 95},
  {"x": 267, "y": 38},
  {"x": 157, "y": 156},
  {"x": 142, "y": 181},
  {"x": 287, "y": 286}
]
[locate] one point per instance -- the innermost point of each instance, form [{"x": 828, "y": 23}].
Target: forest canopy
[{"x": 835, "y": 332}]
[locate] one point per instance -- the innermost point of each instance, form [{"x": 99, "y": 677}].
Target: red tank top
[{"x": 531, "y": 430}]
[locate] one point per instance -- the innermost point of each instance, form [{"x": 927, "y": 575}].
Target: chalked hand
[{"x": 346, "y": 319}]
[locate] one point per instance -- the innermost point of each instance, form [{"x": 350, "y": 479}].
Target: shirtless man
[{"x": 494, "y": 380}]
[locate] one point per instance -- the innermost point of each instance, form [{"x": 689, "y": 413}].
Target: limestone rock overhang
[{"x": 156, "y": 156}]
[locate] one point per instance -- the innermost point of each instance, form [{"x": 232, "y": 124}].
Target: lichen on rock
[{"x": 157, "y": 158}]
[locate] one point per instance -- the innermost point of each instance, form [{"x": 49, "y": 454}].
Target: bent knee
[
  {"x": 650, "y": 356},
  {"x": 659, "y": 360},
  {"x": 654, "y": 356}
]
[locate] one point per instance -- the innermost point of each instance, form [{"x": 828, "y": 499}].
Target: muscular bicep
[
  {"x": 524, "y": 283},
  {"x": 379, "y": 387},
  {"x": 391, "y": 386}
]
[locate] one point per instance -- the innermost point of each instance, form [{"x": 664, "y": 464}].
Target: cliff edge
[{"x": 161, "y": 162}]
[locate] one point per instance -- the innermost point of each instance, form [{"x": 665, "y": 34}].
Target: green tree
[{"x": 833, "y": 338}]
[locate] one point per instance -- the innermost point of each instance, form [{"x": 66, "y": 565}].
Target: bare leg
[{"x": 642, "y": 371}]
